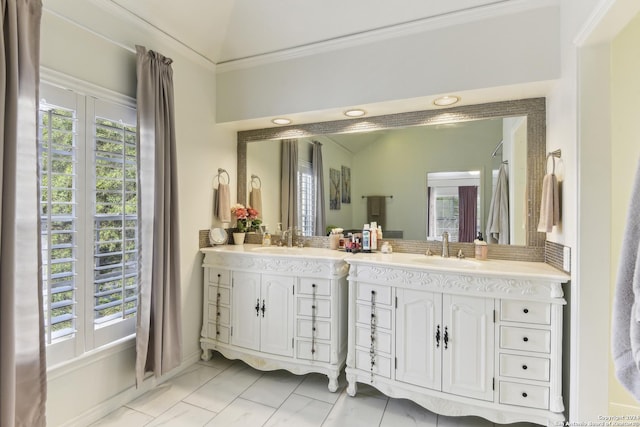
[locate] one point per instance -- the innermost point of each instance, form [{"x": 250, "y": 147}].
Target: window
[
  {"x": 306, "y": 203},
  {"x": 89, "y": 221}
]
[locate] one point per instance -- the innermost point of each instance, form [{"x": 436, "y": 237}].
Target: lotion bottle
[
  {"x": 366, "y": 239},
  {"x": 373, "y": 229}
]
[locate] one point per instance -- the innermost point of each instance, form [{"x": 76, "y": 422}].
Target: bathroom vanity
[
  {"x": 276, "y": 307},
  {"x": 458, "y": 336}
]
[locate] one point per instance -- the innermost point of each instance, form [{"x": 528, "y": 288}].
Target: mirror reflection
[
  {"x": 393, "y": 176},
  {"x": 385, "y": 164}
]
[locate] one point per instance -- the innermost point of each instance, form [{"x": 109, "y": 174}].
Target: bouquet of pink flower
[{"x": 246, "y": 218}]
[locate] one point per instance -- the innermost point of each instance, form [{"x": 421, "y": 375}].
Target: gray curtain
[
  {"x": 468, "y": 213},
  {"x": 289, "y": 184},
  {"x": 318, "y": 179},
  {"x": 158, "y": 334},
  {"x": 23, "y": 370}
]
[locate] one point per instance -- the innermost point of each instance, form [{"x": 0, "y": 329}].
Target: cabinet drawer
[
  {"x": 225, "y": 276},
  {"x": 225, "y": 294},
  {"x": 383, "y": 316},
  {"x": 306, "y": 286},
  {"x": 526, "y": 312},
  {"x": 532, "y": 396},
  {"x": 382, "y": 296},
  {"x": 538, "y": 340},
  {"x": 305, "y": 329},
  {"x": 307, "y": 306},
  {"x": 322, "y": 351},
  {"x": 382, "y": 340},
  {"x": 382, "y": 365},
  {"x": 224, "y": 314},
  {"x": 532, "y": 368},
  {"x": 222, "y": 335}
]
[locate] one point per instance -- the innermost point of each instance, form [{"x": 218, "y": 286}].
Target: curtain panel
[
  {"x": 320, "y": 228},
  {"x": 468, "y": 213},
  {"x": 23, "y": 369},
  {"x": 289, "y": 184},
  {"x": 158, "y": 332}
]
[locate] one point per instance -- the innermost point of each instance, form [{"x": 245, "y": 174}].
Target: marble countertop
[{"x": 502, "y": 268}]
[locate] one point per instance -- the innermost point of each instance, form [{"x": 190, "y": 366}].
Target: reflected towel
[
  {"x": 549, "y": 204},
  {"x": 255, "y": 200},
  {"x": 223, "y": 203},
  {"x": 376, "y": 210},
  {"x": 498, "y": 221},
  {"x": 625, "y": 326}
]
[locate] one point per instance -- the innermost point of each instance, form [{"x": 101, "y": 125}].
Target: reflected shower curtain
[
  {"x": 289, "y": 184},
  {"x": 158, "y": 332},
  {"x": 468, "y": 213},
  {"x": 23, "y": 370},
  {"x": 318, "y": 179}
]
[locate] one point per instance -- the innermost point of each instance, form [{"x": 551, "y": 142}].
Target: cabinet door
[
  {"x": 245, "y": 319},
  {"x": 467, "y": 359},
  {"x": 418, "y": 317},
  {"x": 276, "y": 330}
]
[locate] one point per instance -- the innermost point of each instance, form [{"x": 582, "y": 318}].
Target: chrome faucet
[
  {"x": 288, "y": 233},
  {"x": 445, "y": 245}
]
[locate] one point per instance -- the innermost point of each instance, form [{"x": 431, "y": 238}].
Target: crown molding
[
  {"x": 499, "y": 8},
  {"x": 124, "y": 14}
]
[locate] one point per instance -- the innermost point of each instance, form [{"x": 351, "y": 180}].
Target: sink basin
[{"x": 452, "y": 262}]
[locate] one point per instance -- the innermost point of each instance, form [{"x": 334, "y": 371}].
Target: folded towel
[
  {"x": 625, "y": 325},
  {"x": 223, "y": 203},
  {"x": 255, "y": 200},
  {"x": 549, "y": 204}
]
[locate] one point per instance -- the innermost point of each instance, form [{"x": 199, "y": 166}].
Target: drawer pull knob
[
  {"x": 524, "y": 394},
  {"x": 313, "y": 329},
  {"x": 373, "y": 292},
  {"x": 313, "y": 285},
  {"x": 313, "y": 307},
  {"x": 525, "y": 339},
  {"x": 526, "y": 310},
  {"x": 524, "y": 367}
]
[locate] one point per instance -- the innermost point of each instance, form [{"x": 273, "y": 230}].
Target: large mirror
[{"x": 397, "y": 162}]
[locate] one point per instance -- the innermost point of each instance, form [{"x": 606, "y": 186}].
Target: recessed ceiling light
[
  {"x": 281, "y": 121},
  {"x": 443, "y": 101},
  {"x": 357, "y": 112}
]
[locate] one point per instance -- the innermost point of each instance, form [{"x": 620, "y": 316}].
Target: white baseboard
[{"x": 103, "y": 409}]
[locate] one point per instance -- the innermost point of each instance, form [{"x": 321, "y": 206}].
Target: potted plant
[{"x": 246, "y": 221}]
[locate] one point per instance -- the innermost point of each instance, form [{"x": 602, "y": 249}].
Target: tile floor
[{"x": 225, "y": 393}]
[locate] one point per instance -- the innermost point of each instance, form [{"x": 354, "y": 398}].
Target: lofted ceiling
[{"x": 226, "y": 30}]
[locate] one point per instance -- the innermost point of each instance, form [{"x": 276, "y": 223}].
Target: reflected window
[
  {"x": 453, "y": 203},
  {"x": 307, "y": 199}
]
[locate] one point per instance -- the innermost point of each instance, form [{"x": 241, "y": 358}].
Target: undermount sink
[{"x": 454, "y": 262}]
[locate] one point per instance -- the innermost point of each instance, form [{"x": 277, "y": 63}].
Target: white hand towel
[
  {"x": 223, "y": 203},
  {"x": 498, "y": 221},
  {"x": 255, "y": 200},
  {"x": 549, "y": 204},
  {"x": 625, "y": 333}
]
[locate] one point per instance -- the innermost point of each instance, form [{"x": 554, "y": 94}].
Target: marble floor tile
[
  {"x": 358, "y": 411},
  {"x": 300, "y": 411},
  {"x": 444, "y": 421},
  {"x": 220, "y": 391},
  {"x": 316, "y": 386},
  {"x": 273, "y": 388},
  {"x": 123, "y": 417},
  {"x": 242, "y": 413},
  {"x": 183, "y": 415},
  {"x": 164, "y": 396},
  {"x": 405, "y": 413}
]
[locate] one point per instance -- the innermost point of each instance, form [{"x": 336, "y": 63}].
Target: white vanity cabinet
[
  {"x": 281, "y": 308},
  {"x": 477, "y": 338}
]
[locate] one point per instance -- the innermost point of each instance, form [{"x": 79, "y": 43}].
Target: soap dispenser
[{"x": 481, "y": 247}]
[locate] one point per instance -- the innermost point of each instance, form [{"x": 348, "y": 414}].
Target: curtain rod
[{"x": 364, "y": 197}]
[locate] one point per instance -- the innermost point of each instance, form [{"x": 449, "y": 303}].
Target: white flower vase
[{"x": 238, "y": 238}]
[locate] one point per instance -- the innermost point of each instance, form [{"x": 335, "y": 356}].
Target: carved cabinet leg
[
  {"x": 333, "y": 381},
  {"x": 206, "y": 354},
  {"x": 352, "y": 385}
]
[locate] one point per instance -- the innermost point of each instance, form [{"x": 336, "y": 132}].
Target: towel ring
[
  {"x": 554, "y": 154},
  {"x": 255, "y": 178},
  {"x": 220, "y": 172}
]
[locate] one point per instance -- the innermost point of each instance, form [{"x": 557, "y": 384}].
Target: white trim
[
  {"x": 106, "y": 407},
  {"x": 120, "y": 12},
  {"x": 498, "y": 8},
  {"x": 606, "y": 21},
  {"x": 67, "y": 82}
]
